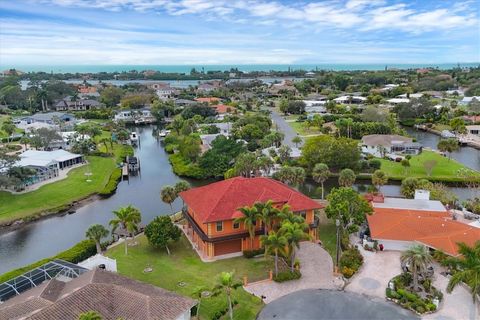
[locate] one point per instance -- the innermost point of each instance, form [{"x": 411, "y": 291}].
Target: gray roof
[
  {"x": 110, "y": 294},
  {"x": 49, "y": 116},
  {"x": 410, "y": 204},
  {"x": 386, "y": 140}
]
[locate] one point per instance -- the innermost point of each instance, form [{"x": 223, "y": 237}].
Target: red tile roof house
[
  {"x": 210, "y": 212},
  {"x": 400, "y": 223}
]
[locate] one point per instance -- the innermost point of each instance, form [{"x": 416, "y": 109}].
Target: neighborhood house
[
  {"x": 211, "y": 211},
  {"x": 380, "y": 145}
]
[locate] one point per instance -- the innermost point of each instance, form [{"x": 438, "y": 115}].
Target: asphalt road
[
  {"x": 284, "y": 127},
  {"x": 317, "y": 304}
]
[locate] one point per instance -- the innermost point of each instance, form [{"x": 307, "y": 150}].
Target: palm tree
[
  {"x": 249, "y": 219},
  {"x": 468, "y": 271},
  {"x": 297, "y": 140},
  {"x": 96, "y": 232},
  {"x": 379, "y": 178},
  {"x": 227, "y": 283},
  {"x": 127, "y": 218},
  {"x": 181, "y": 186},
  {"x": 418, "y": 259},
  {"x": 266, "y": 212},
  {"x": 274, "y": 242},
  {"x": 90, "y": 315},
  {"x": 198, "y": 293},
  {"x": 294, "y": 233},
  {"x": 320, "y": 174},
  {"x": 346, "y": 178},
  {"x": 169, "y": 195},
  {"x": 285, "y": 214}
]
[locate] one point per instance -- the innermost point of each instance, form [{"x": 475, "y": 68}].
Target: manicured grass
[
  {"x": 183, "y": 265},
  {"x": 3, "y": 134},
  {"x": 57, "y": 194},
  {"x": 327, "y": 233},
  {"x": 441, "y": 127},
  {"x": 445, "y": 170},
  {"x": 302, "y": 130}
]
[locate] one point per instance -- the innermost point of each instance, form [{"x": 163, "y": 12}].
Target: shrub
[
  {"x": 170, "y": 148},
  {"x": 374, "y": 164},
  {"x": 431, "y": 307},
  {"x": 252, "y": 253},
  {"x": 287, "y": 276},
  {"x": 185, "y": 168},
  {"x": 351, "y": 260},
  {"x": 112, "y": 183},
  {"x": 420, "y": 309},
  {"x": 348, "y": 272}
]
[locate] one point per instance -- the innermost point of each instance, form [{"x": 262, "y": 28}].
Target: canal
[{"x": 47, "y": 237}]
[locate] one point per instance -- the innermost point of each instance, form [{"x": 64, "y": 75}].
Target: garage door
[{"x": 228, "y": 247}]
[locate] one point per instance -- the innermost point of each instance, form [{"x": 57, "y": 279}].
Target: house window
[
  {"x": 236, "y": 225},
  {"x": 303, "y": 214},
  {"x": 219, "y": 226}
]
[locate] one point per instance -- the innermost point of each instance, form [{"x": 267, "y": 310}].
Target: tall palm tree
[
  {"x": 127, "y": 218},
  {"x": 96, "y": 232},
  {"x": 276, "y": 243},
  {"x": 169, "y": 195},
  {"x": 249, "y": 219},
  {"x": 227, "y": 283},
  {"x": 418, "y": 259},
  {"x": 266, "y": 212},
  {"x": 320, "y": 174},
  {"x": 468, "y": 271},
  {"x": 294, "y": 233}
]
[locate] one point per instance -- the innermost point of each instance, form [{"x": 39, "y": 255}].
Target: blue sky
[{"x": 172, "y": 32}]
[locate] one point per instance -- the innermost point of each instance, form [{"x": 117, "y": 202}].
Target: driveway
[
  {"x": 376, "y": 272},
  {"x": 317, "y": 272},
  {"x": 457, "y": 305},
  {"x": 284, "y": 127},
  {"x": 315, "y": 304},
  {"x": 378, "y": 268}
]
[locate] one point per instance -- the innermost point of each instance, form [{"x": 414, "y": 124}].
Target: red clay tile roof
[
  {"x": 432, "y": 228},
  {"x": 220, "y": 201},
  {"x": 223, "y": 108},
  {"x": 207, "y": 100}
]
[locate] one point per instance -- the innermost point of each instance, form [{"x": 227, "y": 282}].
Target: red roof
[
  {"x": 432, "y": 228},
  {"x": 207, "y": 99},
  {"x": 220, "y": 201},
  {"x": 223, "y": 108}
]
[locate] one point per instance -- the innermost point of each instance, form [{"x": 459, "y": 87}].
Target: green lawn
[
  {"x": 445, "y": 170},
  {"x": 183, "y": 265},
  {"x": 327, "y": 233},
  {"x": 3, "y": 134},
  {"x": 57, "y": 194},
  {"x": 302, "y": 130}
]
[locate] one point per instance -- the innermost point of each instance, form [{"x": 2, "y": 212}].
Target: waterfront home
[
  {"x": 163, "y": 90},
  {"x": 380, "y": 145},
  {"x": 206, "y": 141},
  {"x": 473, "y": 130},
  {"x": 112, "y": 295},
  {"x": 67, "y": 104},
  {"x": 211, "y": 211},
  {"x": 47, "y": 164},
  {"x": 209, "y": 86},
  {"x": 139, "y": 116},
  {"x": 397, "y": 224}
]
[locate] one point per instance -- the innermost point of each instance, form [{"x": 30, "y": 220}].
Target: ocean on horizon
[{"x": 245, "y": 68}]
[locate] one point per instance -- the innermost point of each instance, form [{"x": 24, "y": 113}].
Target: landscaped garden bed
[{"x": 425, "y": 300}]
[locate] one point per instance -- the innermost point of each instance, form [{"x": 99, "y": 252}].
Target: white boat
[
  {"x": 447, "y": 134},
  {"x": 133, "y": 138},
  {"x": 163, "y": 133}
]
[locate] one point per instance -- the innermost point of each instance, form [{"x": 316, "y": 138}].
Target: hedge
[
  {"x": 79, "y": 252},
  {"x": 112, "y": 183},
  {"x": 350, "y": 261},
  {"x": 253, "y": 253},
  {"x": 287, "y": 276}
]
